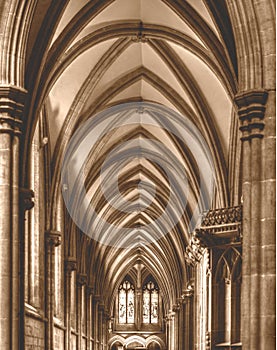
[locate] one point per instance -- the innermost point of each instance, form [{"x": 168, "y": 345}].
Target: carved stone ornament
[
  {"x": 194, "y": 251},
  {"x": 220, "y": 227},
  {"x": 53, "y": 238},
  {"x": 82, "y": 279},
  {"x": 70, "y": 265}
]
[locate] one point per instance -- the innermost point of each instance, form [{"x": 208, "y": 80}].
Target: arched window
[
  {"x": 150, "y": 303},
  {"x": 126, "y": 303}
]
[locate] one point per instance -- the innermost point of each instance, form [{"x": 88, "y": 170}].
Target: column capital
[
  {"x": 187, "y": 294},
  {"x": 12, "y": 100},
  {"x": 176, "y": 308},
  {"x": 53, "y": 238},
  {"x": 170, "y": 316},
  {"x": 26, "y": 198},
  {"x": 82, "y": 279},
  {"x": 251, "y": 110},
  {"x": 97, "y": 298},
  {"x": 90, "y": 290},
  {"x": 70, "y": 265},
  {"x": 101, "y": 307}
]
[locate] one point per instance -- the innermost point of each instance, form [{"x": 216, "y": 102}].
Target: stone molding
[
  {"x": 251, "y": 110},
  {"x": 12, "y": 100},
  {"x": 53, "y": 238}
]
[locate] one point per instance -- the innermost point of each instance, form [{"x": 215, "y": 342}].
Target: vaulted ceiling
[{"x": 101, "y": 54}]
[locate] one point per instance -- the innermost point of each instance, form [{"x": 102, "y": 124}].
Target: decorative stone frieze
[
  {"x": 251, "y": 110},
  {"x": 220, "y": 227}
]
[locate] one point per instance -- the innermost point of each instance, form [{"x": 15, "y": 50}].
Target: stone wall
[{"x": 34, "y": 334}]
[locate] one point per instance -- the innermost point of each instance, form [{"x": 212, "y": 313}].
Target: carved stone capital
[
  {"x": 170, "y": 316},
  {"x": 26, "y": 198},
  {"x": 97, "y": 299},
  {"x": 187, "y": 294},
  {"x": 101, "y": 307},
  {"x": 176, "y": 308},
  {"x": 82, "y": 279},
  {"x": 70, "y": 265},
  {"x": 251, "y": 111},
  {"x": 53, "y": 238},
  {"x": 90, "y": 290},
  {"x": 12, "y": 99}
]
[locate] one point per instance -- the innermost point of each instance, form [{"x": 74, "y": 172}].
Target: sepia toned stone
[{"x": 137, "y": 175}]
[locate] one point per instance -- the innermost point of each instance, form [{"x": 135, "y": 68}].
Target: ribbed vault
[{"x": 102, "y": 54}]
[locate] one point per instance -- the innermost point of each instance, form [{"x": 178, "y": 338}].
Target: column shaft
[
  {"x": 256, "y": 114},
  {"x": 53, "y": 239},
  {"x": 70, "y": 266},
  {"x": 5, "y": 241}
]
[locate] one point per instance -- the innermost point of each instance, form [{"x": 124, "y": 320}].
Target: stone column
[
  {"x": 81, "y": 282},
  {"x": 53, "y": 240},
  {"x": 26, "y": 203},
  {"x": 105, "y": 329},
  {"x": 258, "y": 183},
  {"x": 194, "y": 258},
  {"x": 11, "y": 107},
  {"x": 176, "y": 309},
  {"x": 96, "y": 323},
  {"x": 70, "y": 266},
  {"x": 89, "y": 316},
  {"x": 187, "y": 301},
  {"x": 181, "y": 325},
  {"x": 171, "y": 330},
  {"x": 100, "y": 326}
]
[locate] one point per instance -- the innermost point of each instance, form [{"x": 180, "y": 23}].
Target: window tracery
[
  {"x": 150, "y": 303},
  {"x": 126, "y": 303},
  {"x": 138, "y": 304}
]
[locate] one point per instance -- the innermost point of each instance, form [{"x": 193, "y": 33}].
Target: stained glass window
[
  {"x": 126, "y": 303},
  {"x": 150, "y": 303}
]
